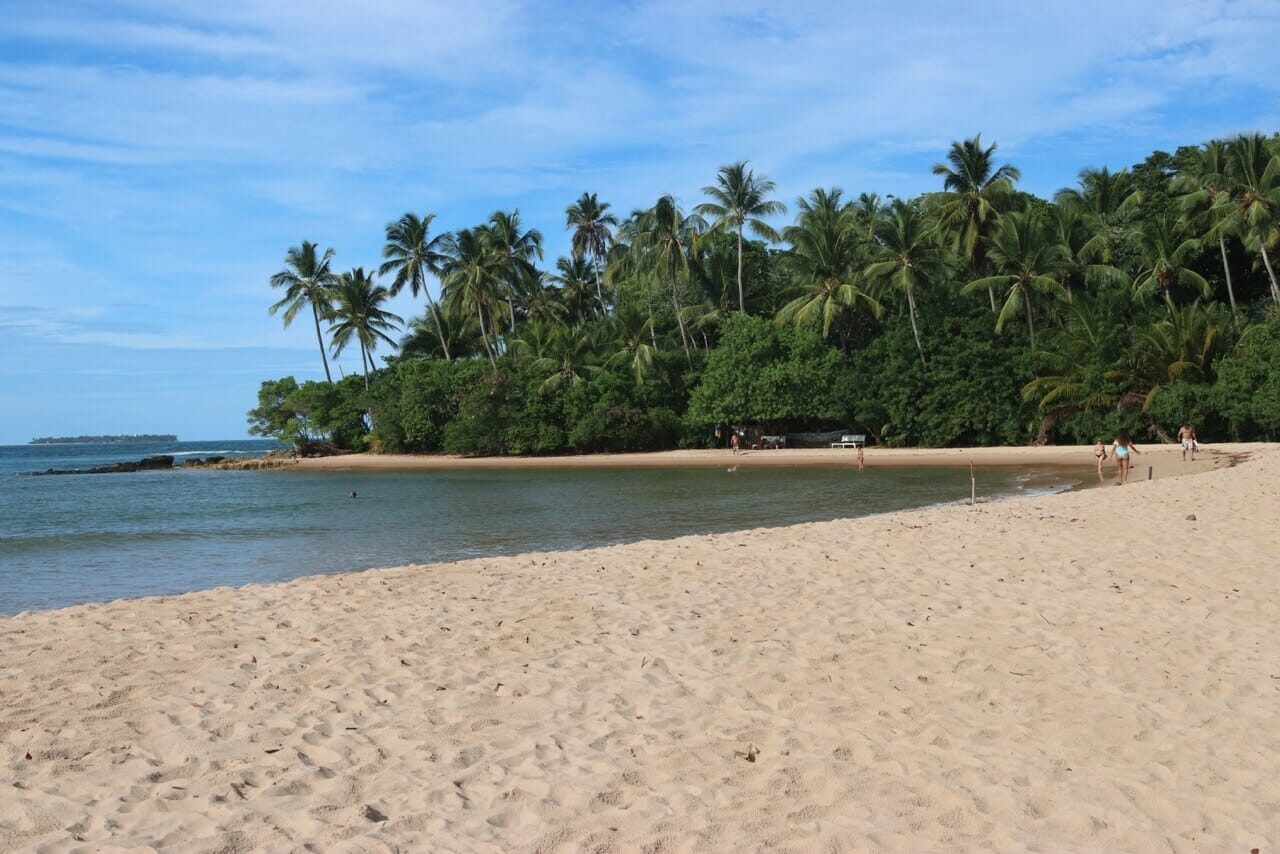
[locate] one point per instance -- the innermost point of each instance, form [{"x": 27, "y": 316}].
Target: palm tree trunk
[
  {"x": 435, "y": 314},
  {"x": 484, "y": 336},
  {"x": 742, "y": 302},
  {"x": 1031, "y": 325},
  {"x": 684, "y": 338},
  {"x": 915, "y": 330},
  {"x": 364, "y": 363},
  {"x": 1266, "y": 259},
  {"x": 315, "y": 312},
  {"x": 599, "y": 291},
  {"x": 1226, "y": 269}
]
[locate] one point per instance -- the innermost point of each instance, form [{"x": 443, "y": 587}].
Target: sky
[{"x": 158, "y": 159}]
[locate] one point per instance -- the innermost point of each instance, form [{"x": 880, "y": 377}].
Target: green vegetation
[{"x": 976, "y": 314}]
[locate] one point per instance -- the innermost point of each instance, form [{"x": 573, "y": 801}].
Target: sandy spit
[
  {"x": 1098, "y": 670},
  {"x": 1165, "y": 458}
]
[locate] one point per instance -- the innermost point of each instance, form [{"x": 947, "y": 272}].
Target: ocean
[{"x": 71, "y": 539}]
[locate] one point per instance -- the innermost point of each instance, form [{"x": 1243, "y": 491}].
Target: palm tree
[
  {"x": 589, "y": 220},
  {"x": 1072, "y": 372},
  {"x": 471, "y": 281},
  {"x": 662, "y": 244},
  {"x": 411, "y": 253},
  {"x": 1074, "y": 233},
  {"x": 1181, "y": 346},
  {"x": 358, "y": 313},
  {"x": 909, "y": 259},
  {"x": 307, "y": 280},
  {"x": 1164, "y": 266},
  {"x": 568, "y": 357},
  {"x": 1206, "y": 193},
  {"x": 738, "y": 202},
  {"x": 828, "y": 252},
  {"x": 574, "y": 279},
  {"x": 1106, "y": 202},
  {"x": 870, "y": 211},
  {"x": 1255, "y": 175},
  {"x": 515, "y": 249},
  {"x": 544, "y": 302},
  {"x": 422, "y": 339},
  {"x": 1028, "y": 256},
  {"x": 630, "y": 328},
  {"x": 975, "y": 193}
]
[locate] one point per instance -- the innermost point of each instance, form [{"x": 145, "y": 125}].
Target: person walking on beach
[
  {"x": 1100, "y": 454},
  {"x": 861, "y": 458},
  {"x": 733, "y": 440},
  {"x": 1187, "y": 437},
  {"x": 1122, "y": 449}
]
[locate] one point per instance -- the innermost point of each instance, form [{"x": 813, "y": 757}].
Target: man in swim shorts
[{"x": 1187, "y": 438}]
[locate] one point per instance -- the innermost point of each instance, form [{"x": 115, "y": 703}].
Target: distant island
[{"x": 103, "y": 440}]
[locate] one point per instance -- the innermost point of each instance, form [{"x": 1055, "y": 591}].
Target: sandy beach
[
  {"x": 1165, "y": 459},
  {"x": 1096, "y": 670}
]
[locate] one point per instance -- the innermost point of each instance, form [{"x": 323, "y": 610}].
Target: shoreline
[
  {"x": 1090, "y": 669},
  {"x": 1068, "y": 456}
]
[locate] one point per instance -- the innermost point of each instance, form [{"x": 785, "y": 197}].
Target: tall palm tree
[
  {"x": 358, "y": 313},
  {"x": 1165, "y": 254},
  {"x": 411, "y": 253},
  {"x": 662, "y": 245},
  {"x": 909, "y": 259},
  {"x": 516, "y": 250},
  {"x": 307, "y": 280},
  {"x": 1205, "y": 188},
  {"x": 974, "y": 193},
  {"x": 573, "y": 277},
  {"x": 589, "y": 220},
  {"x": 1255, "y": 174},
  {"x": 828, "y": 252},
  {"x": 738, "y": 200},
  {"x": 472, "y": 279},
  {"x": 1027, "y": 257}
]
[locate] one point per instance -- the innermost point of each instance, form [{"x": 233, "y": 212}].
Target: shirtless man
[{"x": 1187, "y": 438}]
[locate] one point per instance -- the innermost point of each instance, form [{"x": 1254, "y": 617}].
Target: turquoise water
[{"x": 66, "y": 540}]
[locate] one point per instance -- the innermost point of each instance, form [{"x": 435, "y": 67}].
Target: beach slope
[{"x": 1094, "y": 670}]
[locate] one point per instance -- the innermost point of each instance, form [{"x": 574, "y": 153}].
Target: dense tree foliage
[{"x": 976, "y": 314}]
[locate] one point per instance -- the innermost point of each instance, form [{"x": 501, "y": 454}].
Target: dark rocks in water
[
  {"x": 207, "y": 461},
  {"x": 157, "y": 463}
]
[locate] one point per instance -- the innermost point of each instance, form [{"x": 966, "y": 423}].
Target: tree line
[{"x": 973, "y": 314}]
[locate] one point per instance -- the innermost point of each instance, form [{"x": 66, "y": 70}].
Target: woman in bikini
[
  {"x": 1100, "y": 454},
  {"x": 1122, "y": 449}
]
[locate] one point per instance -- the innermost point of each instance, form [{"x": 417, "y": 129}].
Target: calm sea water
[{"x": 66, "y": 540}]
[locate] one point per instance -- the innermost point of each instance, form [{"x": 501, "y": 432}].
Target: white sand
[{"x": 1072, "y": 672}]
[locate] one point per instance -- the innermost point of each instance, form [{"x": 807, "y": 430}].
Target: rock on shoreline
[{"x": 164, "y": 462}]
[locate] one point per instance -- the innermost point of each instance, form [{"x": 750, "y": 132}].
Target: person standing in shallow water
[
  {"x": 1122, "y": 450},
  {"x": 861, "y": 458},
  {"x": 1100, "y": 454}
]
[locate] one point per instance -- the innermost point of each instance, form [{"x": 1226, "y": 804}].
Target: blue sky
[{"x": 157, "y": 159}]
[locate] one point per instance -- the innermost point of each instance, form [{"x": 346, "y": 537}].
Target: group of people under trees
[{"x": 1123, "y": 449}]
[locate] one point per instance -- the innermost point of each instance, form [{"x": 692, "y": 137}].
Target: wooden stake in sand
[{"x": 973, "y": 486}]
